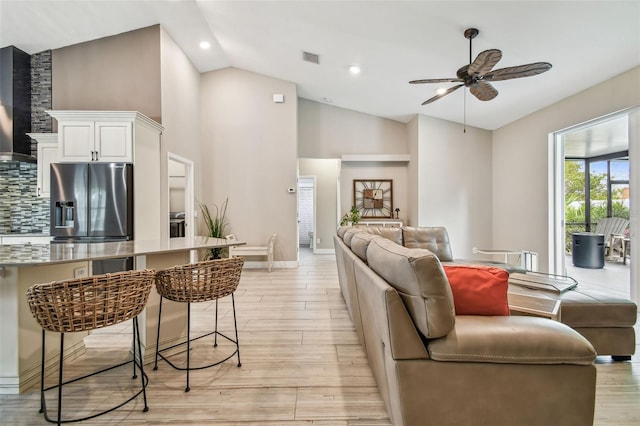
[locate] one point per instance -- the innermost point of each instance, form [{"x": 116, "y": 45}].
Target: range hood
[{"x": 15, "y": 105}]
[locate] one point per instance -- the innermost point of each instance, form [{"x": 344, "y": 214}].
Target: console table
[
  {"x": 533, "y": 305},
  {"x": 390, "y": 222}
]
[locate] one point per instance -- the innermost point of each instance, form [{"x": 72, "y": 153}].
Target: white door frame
[
  {"x": 556, "y": 195},
  {"x": 189, "y": 197},
  {"x": 315, "y": 211}
]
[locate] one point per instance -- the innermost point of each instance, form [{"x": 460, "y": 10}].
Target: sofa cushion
[
  {"x": 478, "y": 290},
  {"x": 342, "y": 230},
  {"x": 348, "y": 235},
  {"x": 360, "y": 242},
  {"x": 435, "y": 239},
  {"x": 512, "y": 340},
  {"x": 419, "y": 279},
  {"x": 392, "y": 233},
  {"x": 590, "y": 308}
]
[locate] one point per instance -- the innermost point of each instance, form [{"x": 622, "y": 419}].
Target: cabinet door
[
  {"x": 113, "y": 142},
  {"x": 76, "y": 141},
  {"x": 47, "y": 154}
]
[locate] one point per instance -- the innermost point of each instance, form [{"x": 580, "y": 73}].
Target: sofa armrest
[{"x": 512, "y": 340}]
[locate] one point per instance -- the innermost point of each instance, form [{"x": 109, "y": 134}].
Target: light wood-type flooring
[{"x": 301, "y": 365}]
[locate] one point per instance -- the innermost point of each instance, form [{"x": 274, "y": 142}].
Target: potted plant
[
  {"x": 216, "y": 226},
  {"x": 352, "y": 217}
]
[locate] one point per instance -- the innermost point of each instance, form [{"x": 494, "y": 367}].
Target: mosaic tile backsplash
[{"x": 21, "y": 211}]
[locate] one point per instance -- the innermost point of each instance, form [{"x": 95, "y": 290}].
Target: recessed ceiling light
[
  {"x": 354, "y": 69},
  {"x": 441, "y": 91},
  {"x": 205, "y": 45}
]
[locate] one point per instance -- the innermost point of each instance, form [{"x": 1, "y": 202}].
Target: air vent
[{"x": 311, "y": 57}]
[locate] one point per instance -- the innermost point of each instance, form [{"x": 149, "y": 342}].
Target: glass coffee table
[{"x": 528, "y": 304}]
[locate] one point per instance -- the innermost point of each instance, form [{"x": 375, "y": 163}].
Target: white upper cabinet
[
  {"x": 77, "y": 141},
  {"x": 99, "y": 136},
  {"x": 47, "y": 154},
  {"x": 113, "y": 142},
  {"x": 122, "y": 137}
]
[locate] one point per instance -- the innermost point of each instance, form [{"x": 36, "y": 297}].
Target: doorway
[
  {"x": 589, "y": 181},
  {"x": 181, "y": 197},
  {"x": 306, "y": 211}
]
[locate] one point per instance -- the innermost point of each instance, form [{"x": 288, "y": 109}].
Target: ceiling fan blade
[
  {"x": 435, "y": 80},
  {"x": 484, "y": 62},
  {"x": 483, "y": 91},
  {"x": 518, "y": 71},
  {"x": 440, "y": 95}
]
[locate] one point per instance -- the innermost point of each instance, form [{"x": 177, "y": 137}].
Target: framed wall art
[{"x": 373, "y": 198}]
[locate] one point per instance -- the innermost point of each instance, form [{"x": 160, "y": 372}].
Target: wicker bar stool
[
  {"x": 199, "y": 282},
  {"x": 89, "y": 303}
]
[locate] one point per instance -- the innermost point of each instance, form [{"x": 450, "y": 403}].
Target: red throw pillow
[{"x": 478, "y": 290}]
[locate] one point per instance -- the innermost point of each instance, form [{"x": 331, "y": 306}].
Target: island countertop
[{"x": 47, "y": 254}]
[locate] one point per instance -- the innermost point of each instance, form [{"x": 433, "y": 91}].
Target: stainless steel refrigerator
[{"x": 93, "y": 202}]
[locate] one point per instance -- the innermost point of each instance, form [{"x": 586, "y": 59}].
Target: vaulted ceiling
[{"x": 587, "y": 42}]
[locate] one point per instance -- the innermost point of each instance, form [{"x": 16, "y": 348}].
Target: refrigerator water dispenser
[{"x": 65, "y": 214}]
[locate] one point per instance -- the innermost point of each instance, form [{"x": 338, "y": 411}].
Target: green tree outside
[{"x": 575, "y": 217}]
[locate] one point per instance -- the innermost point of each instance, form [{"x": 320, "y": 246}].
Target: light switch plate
[{"x": 80, "y": 272}]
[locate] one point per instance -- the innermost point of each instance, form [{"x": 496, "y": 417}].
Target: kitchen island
[{"x": 22, "y": 265}]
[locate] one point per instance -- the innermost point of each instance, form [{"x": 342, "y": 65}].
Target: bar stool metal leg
[
  {"x": 155, "y": 366},
  {"x": 215, "y": 334},
  {"x": 42, "y": 375},
  {"x": 187, "y": 389},
  {"x": 136, "y": 332},
  {"x": 235, "y": 324},
  {"x": 59, "y": 380}
]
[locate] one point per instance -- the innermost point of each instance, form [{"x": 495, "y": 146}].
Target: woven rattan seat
[
  {"x": 199, "y": 282},
  {"x": 89, "y": 303}
]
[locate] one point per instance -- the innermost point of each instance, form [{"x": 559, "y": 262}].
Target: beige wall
[
  {"x": 454, "y": 179},
  {"x": 250, "y": 155},
  {"x": 326, "y": 172},
  {"x": 180, "y": 82},
  {"x": 413, "y": 170},
  {"x": 121, "y": 72},
  {"x": 326, "y": 131},
  {"x": 397, "y": 172},
  {"x": 521, "y": 162}
]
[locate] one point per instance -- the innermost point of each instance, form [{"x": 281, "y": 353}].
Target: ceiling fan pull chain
[{"x": 464, "y": 111}]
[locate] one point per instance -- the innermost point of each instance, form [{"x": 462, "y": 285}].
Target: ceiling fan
[{"x": 477, "y": 75}]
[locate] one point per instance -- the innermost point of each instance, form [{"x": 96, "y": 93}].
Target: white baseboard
[
  {"x": 325, "y": 251},
  {"x": 11, "y": 385},
  {"x": 278, "y": 264}
]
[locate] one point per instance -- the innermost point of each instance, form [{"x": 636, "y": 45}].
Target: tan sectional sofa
[
  {"x": 435, "y": 368},
  {"x": 606, "y": 321}
]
